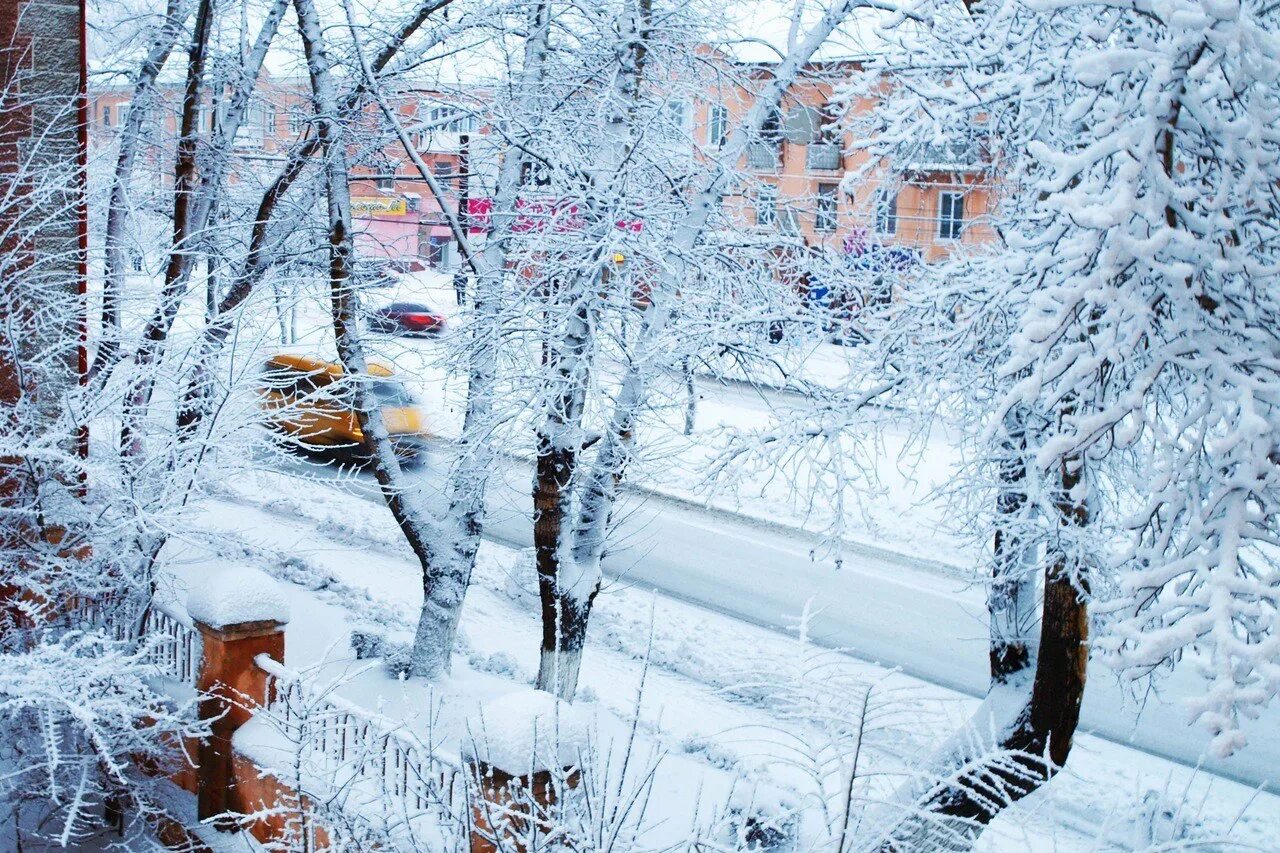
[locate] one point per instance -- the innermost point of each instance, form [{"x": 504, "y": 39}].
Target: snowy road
[{"x": 880, "y": 608}]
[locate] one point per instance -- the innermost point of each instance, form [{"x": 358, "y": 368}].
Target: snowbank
[
  {"x": 527, "y": 731},
  {"x": 237, "y": 595}
]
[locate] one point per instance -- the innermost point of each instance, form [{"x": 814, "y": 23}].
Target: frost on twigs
[{"x": 238, "y": 595}]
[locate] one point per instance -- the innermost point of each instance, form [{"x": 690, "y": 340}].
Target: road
[{"x": 886, "y": 608}]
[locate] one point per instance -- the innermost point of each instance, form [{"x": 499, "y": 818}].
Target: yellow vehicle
[{"x": 308, "y": 400}]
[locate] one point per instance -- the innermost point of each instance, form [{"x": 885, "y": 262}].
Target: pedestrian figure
[{"x": 460, "y": 285}]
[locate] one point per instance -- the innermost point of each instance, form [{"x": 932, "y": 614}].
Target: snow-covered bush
[{"x": 79, "y": 724}]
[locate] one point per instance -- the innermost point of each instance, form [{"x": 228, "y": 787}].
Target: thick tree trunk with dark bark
[{"x": 978, "y": 786}]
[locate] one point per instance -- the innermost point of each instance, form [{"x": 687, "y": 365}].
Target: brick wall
[{"x": 41, "y": 155}]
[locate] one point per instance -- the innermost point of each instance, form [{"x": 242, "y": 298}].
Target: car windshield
[{"x": 391, "y": 394}]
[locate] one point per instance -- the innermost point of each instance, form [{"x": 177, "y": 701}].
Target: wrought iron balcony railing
[
  {"x": 763, "y": 156},
  {"x": 823, "y": 156}
]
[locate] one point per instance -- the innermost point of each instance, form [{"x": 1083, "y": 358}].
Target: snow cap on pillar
[
  {"x": 235, "y": 596},
  {"x": 528, "y": 731}
]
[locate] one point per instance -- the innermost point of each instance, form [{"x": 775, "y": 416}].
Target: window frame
[
  {"x": 823, "y": 215},
  {"x": 766, "y": 214},
  {"x": 717, "y": 125},
  {"x": 950, "y": 225},
  {"x": 887, "y": 211},
  {"x": 299, "y": 118}
]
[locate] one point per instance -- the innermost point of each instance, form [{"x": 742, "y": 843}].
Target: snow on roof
[
  {"x": 237, "y": 595},
  {"x": 527, "y": 731}
]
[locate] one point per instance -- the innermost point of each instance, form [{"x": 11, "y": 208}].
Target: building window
[
  {"x": 886, "y": 212},
  {"x": 106, "y": 115},
  {"x": 828, "y": 207},
  {"x": 297, "y": 118},
  {"x": 269, "y": 119},
  {"x": 387, "y": 183},
  {"x": 771, "y": 127},
  {"x": 464, "y": 123},
  {"x": 766, "y": 205},
  {"x": 717, "y": 125},
  {"x": 412, "y": 202},
  {"x": 675, "y": 117},
  {"x": 449, "y": 119},
  {"x": 534, "y": 175},
  {"x": 444, "y": 173},
  {"x": 950, "y": 215}
]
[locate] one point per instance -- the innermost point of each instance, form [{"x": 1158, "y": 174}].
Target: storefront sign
[{"x": 379, "y": 205}]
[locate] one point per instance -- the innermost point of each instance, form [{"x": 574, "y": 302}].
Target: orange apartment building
[
  {"x": 794, "y": 196},
  {"x": 398, "y": 217},
  {"x": 932, "y": 205}
]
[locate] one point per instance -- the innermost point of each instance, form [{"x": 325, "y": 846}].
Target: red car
[{"x": 411, "y": 319}]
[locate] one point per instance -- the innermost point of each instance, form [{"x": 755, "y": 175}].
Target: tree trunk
[
  {"x": 553, "y": 473},
  {"x": 1011, "y": 596},
  {"x": 115, "y": 266},
  {"x": 566, "y": 614},
  {"x": 983, "y": 778}
]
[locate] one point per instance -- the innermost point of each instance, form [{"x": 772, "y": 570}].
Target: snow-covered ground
[
  {"x": 727, "y": 696},
  {"x": 898, "y": 589},
  {"x": 722, "y": 700}
]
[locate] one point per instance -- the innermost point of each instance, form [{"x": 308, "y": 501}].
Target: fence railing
[
  {"x": 179, "y": 657},
  {"x": 353, "y": 746},
  {"x": 174, "y": 645}
]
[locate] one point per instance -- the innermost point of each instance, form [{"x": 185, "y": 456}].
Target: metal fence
[
  {"x": 172, "y": 643},
  {"x": 351, "y": 746}
]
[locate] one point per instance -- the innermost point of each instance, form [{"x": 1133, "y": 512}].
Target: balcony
[
  {"x": 954, "y": 155},
  {"x": 763, "y": 156},
  {"x": 823, "y": 157}
]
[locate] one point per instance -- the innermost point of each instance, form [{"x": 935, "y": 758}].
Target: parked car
[
  {"x": 410, "y": 319},
  {"x": 309, "y": 400}
]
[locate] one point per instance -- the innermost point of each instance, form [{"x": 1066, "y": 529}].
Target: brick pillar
[
  {"x": 232, "y": 684},
  {"x": 507, "y": 801},
  {"x": 524, "y": 769}
]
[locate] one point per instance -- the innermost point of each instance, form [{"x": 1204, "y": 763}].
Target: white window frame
[
  {"x": 676, "y": 113},
  {"x": 766, "y": 205},
  {"x": 717, "y": 125},
  {"x": 298, "y": 118},
  {"x": 827, "y": 216},
  {"x": 950, "y": 227},
  {"x": 886, "y": 211}
]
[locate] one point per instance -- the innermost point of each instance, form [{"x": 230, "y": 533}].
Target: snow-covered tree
[
  {"x": 627, "y": 260},
  {"x": 79, "y": 714},
  {"x": 1110, "y": 357}
]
